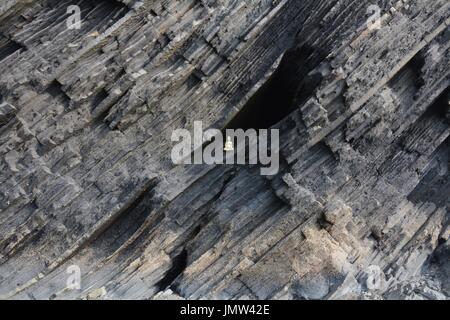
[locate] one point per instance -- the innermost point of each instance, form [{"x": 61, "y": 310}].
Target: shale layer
[{"x": 358, "y": 210}]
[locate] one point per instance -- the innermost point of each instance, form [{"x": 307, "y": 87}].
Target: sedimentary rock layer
[{"x": 86, "y": 179}]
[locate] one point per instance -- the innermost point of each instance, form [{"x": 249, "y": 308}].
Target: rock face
[{"x": 358, "y": 210}]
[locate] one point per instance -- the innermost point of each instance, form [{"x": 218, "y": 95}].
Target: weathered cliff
[{"x": 86, "y": 179}]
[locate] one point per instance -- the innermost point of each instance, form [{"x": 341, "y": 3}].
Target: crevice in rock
[
  {"x": 179, "y": 264},
  {"x": 189, "y": 250},
  {"x": 98, "y": 98},
  {"x": 416, "y": 65},
  {"x": 437, "y": 179},
  {"x": 411, "y": 72},
  {"x": 129, "y": 210},
  {"x": 56, "y": 91},
  {"x": 8, "y": 47},
  {"x": 7, "y": 113},
  {"x": 125, "y": 226},
  {"x": 279, "y": 96},
  {"x": 442, "y": 104}
]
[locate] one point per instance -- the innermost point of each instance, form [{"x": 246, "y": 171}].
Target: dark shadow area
[
  {"x": 55, "y": 89},
  {"x": 282, "y": 92},
  {"x": 179, "y": 263},
  {"x": 8, "y": 47},
  {"x": 435, "y": 183},
  {"x": 416, "y": 65},
  {"x": 127, "y": 223}
]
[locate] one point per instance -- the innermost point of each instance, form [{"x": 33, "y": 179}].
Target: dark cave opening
[
  {"x": 416, "y": 65},
  {"x": 281, "y": 93},
  {"x": 440, "y": 106},
  {"x": 179, "y": 263}
]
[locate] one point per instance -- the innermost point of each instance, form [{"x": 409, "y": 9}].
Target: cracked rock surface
[{"x": 358, "y": 210}]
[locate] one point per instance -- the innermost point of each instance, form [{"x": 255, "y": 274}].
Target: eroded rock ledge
[{"x": 86, "y": 178}]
